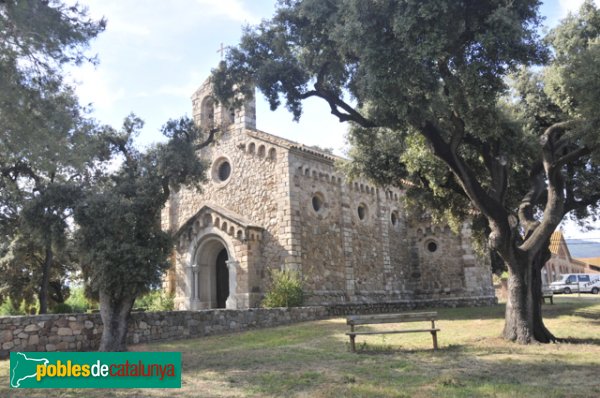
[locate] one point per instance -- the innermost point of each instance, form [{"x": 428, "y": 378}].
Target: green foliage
[
  {"x": 9, "y": 308},
  {"x": 405, "y": 64},
  {"x": 434, "y": 112},
  {"x": 156, "y": 300},
  {"x": 123, "y": 250},
  {"x": 77, "y": 300},
  {"x": 124, "y": 210},
  {"x": 285, "y": 290},
  {"x": 48, "y": 148},
  {"x": 62, "y": 308}
]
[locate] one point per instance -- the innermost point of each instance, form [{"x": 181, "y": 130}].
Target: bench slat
[
  {"x": 390, "y": 318},
  {"x": 394, "y": 331}
]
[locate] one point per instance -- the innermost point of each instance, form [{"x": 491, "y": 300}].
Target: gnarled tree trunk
[
  {"x": 115, "y": 316},
  {"x": 43, "y": 296},
  {"x": 523, "y": 319}
]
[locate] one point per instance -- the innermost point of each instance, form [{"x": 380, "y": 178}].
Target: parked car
[{"x": 576, "y": 283}]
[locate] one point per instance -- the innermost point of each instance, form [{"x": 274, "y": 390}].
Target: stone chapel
[{"x": 271, "y": 203}]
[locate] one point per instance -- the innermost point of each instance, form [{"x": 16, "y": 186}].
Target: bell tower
[{"x": 208, "y": 113}]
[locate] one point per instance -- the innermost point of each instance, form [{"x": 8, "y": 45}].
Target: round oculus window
[
  {"x": 221, "y": 171},
  {"x": 362, "y": 211},
  {"x": 224, "y": 171},
  {"x": 432, "y": 247},
  {"x": 317, "y": 203}
]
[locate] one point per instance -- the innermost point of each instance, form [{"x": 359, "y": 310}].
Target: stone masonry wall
[
  {"x": 318, "y": 232},
  {"x": 82, "y": 332},
  {"x": 347, "y": 255},
  {"x": 408, "y": 305}
]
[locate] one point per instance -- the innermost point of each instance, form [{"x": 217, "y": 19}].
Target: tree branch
[
  {"x": 489, "y": 206},
  {"x": 335, "y": 102},
  {"x": 572, "y": 156},
  {"x": 209, "y": 139},
  {"x": 18, "y": 169},
  {"x": 531, "y": 198},
  {"x": 573, "y": 204}
]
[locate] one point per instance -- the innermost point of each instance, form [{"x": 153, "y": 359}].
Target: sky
[{"x": 154, "y": 54}]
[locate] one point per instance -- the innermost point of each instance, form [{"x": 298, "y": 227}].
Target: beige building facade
[
  {"x": 561, "y": 262},
  {"x": 270, "y": 203}
]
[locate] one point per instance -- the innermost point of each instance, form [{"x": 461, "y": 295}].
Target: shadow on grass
[
  {"x": 575, "y": 340},
  {"x": 376, "y": 349},
  {"x": 562, "y": 306}
]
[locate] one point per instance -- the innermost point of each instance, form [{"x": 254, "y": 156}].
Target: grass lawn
[{"x": 312, "y": 360}]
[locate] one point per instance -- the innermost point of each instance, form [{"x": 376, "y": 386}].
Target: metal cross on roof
[{"x": 222, "y": 50}]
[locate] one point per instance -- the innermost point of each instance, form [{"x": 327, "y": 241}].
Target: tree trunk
[
  {"x": 523, "y": 320},
  {"x": 115, "y": 316},
  {"x": 45, "y": 279}
]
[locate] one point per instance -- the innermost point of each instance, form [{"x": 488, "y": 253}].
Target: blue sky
[{"x": 154, "y": 54}]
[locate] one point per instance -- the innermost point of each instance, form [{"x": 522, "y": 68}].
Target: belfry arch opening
[
  {"x": 210, "y": 280},
  {"x": 208, "y": 113}
]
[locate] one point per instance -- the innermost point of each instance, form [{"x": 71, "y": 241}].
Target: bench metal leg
[{"x": 352, "y": 343}]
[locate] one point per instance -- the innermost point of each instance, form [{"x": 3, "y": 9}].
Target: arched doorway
[
  {"x": 209, "y": 285},
  {"x": 222, "y": 276}
]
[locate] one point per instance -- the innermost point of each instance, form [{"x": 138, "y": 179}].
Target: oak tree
[
  {"x": 425, "y": 88},
  {"x": 47, "y": 143},
  {"x": 124, "y": 251}
]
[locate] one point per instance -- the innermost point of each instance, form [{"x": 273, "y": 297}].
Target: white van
[{"x": 577, "y": 283}]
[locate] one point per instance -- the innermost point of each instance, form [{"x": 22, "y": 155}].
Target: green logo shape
[{"x": 95, "y": 370}]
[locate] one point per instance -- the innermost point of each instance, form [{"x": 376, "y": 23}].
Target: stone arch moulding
[
  {"x": 201, "y": 238},
  {"x": 200, "y": 266}
]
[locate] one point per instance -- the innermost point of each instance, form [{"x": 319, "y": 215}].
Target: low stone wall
[
  {"x": 408, "y": 305},
  {"x": 82, "y": 332}
]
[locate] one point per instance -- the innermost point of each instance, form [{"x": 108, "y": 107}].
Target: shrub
[
  {"x": 156, "y": 300},
  {"x": 77, "y": 300},
  {"x": 285, "y": 290},
  {"x": 8, "y": 308},
  {"x": 62, "y": 308}
]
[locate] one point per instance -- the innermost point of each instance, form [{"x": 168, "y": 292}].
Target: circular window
[
  {"x": 362, "y": 211},
  {"x": 221, "y": 170},
  {"x": 432, "y": 246},
  {"x": 317, "y": 202},
  {"x": 224, "y": 171},
  {"x": 394, "y": 218}
]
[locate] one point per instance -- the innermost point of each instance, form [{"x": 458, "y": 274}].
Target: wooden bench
[
  {"x": 358, "y": 320},
  {"x": 547, "y": 294}
]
